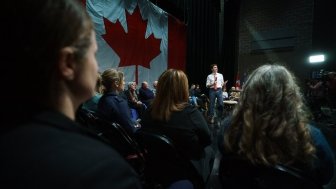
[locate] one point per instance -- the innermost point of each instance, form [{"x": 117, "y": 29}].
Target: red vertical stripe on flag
[
  {"x": 84, "y": 3},
  {"x": 177, "y": 48}
]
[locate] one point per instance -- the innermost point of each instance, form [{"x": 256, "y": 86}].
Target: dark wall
[
  {"x": 255, "y": 32},
  {"x": 275, "y": 32},
  {"x": 230, "y": 46},
  {"x": 324, "y": 32}
]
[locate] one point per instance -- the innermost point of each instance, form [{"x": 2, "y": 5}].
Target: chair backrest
[
  {"x": 164, "y": 164},
  {"x": 116, "y": 136},
  {"x": 236, "y": 172}
]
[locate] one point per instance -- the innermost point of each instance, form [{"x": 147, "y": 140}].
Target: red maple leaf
[{"x": 132, "y": 47}]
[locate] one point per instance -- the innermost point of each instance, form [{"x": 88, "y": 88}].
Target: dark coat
[
  {"x": 187, "y": 128},
  {"x": 146, "y": 96},
  {"x": 52, "y": 151},
  {"x": 115, "y": 108}
]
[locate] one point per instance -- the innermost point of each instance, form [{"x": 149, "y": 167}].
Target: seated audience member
[
  {"x": 192, "y": 95},
  {"x": 202, "y": 99},
  {"x": 269, "y": 126},
  {"x": 318, "y": 97},
  {"x": 198, "y": 92},
  {"x": 225, "y": 94},
  {"x": 154, "y": 87},
  {"x": 92, "y": 103},
  {"x": 50, "y": 47},
  {"x": 145, "y": 94},
  {"x": 234, "y": 94},
  {"x": 172, "y": 115},
  {"x": 111, "y": 105},
  {"x": 132, "y": 98}
]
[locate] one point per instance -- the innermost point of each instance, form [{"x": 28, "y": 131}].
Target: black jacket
[
  {"x": 188, "y": 130},
  {"x": 53, "y": 152}
]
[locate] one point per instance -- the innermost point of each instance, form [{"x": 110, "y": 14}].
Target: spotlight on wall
[{"x": 316, "y": 58}]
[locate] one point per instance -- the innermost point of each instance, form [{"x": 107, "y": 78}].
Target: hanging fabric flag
[{"x": 137, "y": 38}]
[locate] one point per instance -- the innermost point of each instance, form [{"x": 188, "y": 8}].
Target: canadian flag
[{"x": 137, "y": 37}]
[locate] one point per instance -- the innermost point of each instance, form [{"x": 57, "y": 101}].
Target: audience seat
[
  {"x": 164, "y": 164},
  {"x": 236, "y": 172},
  {"x": 116, "y": 136}
]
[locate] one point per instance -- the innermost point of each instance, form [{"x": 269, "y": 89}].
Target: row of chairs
[
  {"x": 235, "y": 172},
  {"x": 155, "y": 158},
  {"x": 151, "y": 154}
]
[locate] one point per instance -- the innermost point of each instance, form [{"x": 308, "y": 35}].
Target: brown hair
[
  {"x": 172, "y": 94},
  {"x": 269, "y": 124},
  {"x": 212, "y": 65}
]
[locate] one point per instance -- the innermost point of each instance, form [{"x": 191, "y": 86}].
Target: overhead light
[{"x": 316, "y": 58}]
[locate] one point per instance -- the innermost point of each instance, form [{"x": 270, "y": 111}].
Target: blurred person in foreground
[
  {"x": 50, "y": 51},
  {"x": 270, "y": 126}
]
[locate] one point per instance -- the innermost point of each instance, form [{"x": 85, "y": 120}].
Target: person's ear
[{"x": 67, "y": 64}]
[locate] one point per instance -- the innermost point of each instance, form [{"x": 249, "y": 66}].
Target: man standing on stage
[{"x": 215, "y": 82}]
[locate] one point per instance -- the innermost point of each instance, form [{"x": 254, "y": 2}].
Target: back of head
[
  {"x": 172, "y": 94},
  {"x": 144, "y": 85},
  {"x": 270, "y": 119},
  {"x": 130, "y": 85},
  {"x": 155, "y": 84},
  {"x": 99, "y": 84},
  {"x": 34, "y": 35},
  {"x": 111, "y": 77}
]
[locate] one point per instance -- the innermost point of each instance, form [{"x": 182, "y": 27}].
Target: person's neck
[
  {"x": 66, "y": 102},
  {"x": 66, "y": 105},
  {"x": 114, "y": 90}
]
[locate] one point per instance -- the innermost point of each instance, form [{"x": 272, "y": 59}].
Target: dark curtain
[
  {"x": 230, "y": 41},
  {"x": 202, "y": 40},
  {"x": 202, "y": 20}
]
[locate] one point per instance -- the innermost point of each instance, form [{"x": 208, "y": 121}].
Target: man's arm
[{"x": 208, "y": 82}]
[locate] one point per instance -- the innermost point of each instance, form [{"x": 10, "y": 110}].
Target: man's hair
[{"x": 212, "y": 65}]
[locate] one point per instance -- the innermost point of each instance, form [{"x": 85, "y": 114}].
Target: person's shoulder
[
  {"x": 316, "y": 134},
  {"x": 63, "y": 154},
  {"x": 192, "y": 111},
  {"x": 108, "y": 99},
  {"x": 313, "y": 129}
]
